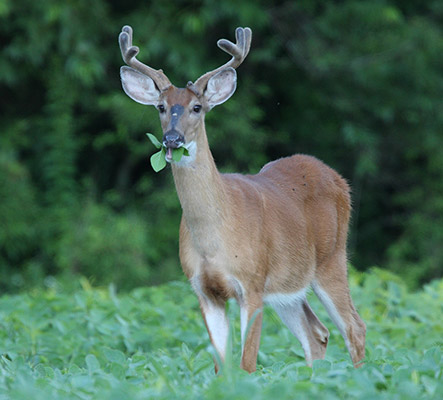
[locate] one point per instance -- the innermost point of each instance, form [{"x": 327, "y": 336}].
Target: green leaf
[
  {"x": 158, "y": 161},
  {"x": 185, "y": 151},
  {"x": 154, "y": 140},
  {"x": 177, "y": 154},
  {"x": 92, "y": 363},
  {"x": 115, "y": 356}
]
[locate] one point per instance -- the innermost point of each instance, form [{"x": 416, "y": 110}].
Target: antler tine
[
  {"x": 238, "y": 51},
  {"x": 129, "y": 52}
]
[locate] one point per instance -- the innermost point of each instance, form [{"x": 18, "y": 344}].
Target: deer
[{"x": 267, "y": 238}]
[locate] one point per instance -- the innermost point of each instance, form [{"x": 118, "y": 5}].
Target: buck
[{"x": 264, "y": 238}]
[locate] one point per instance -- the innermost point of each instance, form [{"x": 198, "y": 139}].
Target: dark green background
[{"x": 358, "y": 84}]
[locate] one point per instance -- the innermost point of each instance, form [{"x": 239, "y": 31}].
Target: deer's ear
[
  {"x": 221, "y": 87},
  {"x": 139, "y": 87}
]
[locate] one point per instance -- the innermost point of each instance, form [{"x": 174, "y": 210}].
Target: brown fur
[{"x": 178, "y": 96}]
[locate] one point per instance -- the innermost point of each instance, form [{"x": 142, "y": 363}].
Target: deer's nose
[{"x": 173, "y": 139}]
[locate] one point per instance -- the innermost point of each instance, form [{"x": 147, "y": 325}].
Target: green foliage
[
  {"x": 152, "y": 343},
  {"x": 18, "y": 215},
  {"x": 105, "y": 246},
  {"x": 356, "y": 83}
]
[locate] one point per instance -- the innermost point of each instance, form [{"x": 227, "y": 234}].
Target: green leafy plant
[
  {"x": 158, "y": 160},
  {"x": 93, "y": 343}
]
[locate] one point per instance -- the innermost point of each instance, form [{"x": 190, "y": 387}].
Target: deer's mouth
[
  {"x": 172, "y": 140},
  {"x": 168, "y": 155}
]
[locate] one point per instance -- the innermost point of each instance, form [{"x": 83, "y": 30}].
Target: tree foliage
[{"x": 356, "y": 83}]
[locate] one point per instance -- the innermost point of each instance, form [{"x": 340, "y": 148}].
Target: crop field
[{"x": 94, "y": 343}]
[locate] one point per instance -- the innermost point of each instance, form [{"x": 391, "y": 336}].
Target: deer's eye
[
  {"x": 197, "y": 108},
  {"x": 161, "y": 108}
]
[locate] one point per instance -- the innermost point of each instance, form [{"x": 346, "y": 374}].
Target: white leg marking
[
  {"x": 240, "y": 297},
  {"x": 218, "y": 327},
  {"x": 244, "y": 324},
  {"x": 290, "y": 310},
  {"x": 332, "y": 311},
  {"x": 215, "y": 316}
]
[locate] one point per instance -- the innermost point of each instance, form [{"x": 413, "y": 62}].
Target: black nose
[{"x": 173, "y": 139}]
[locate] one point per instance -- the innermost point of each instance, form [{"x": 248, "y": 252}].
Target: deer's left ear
[{"x": 221, "y": 87}]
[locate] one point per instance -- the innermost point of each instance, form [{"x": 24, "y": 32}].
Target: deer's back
[{"x": 300, "y": 180}]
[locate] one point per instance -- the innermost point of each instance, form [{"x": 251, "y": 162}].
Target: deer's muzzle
[{"x": 173, "y": 139}]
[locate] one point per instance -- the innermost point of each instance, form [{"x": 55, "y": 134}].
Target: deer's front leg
[
  {"x": 251, "y": 314},
  {"x": 217, "y": 324}
]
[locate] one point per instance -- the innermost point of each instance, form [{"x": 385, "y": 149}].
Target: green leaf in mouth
[
  {"x": 177, "y": 154},
  {"x": 158, "y": 161},
  {"x": 154, "y": 140}
]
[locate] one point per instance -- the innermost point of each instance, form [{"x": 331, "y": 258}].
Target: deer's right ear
[{"x": 138, "y": 86}]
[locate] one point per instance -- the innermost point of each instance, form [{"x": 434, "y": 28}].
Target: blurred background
[{"x": 358, "y": 84}]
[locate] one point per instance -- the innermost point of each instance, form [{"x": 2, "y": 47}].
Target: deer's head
[{"x": 181, "y": 110}]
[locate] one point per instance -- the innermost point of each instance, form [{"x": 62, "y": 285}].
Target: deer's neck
[{"x": 201, "y": 192}]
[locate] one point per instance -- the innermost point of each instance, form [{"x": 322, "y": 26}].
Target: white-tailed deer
[{"x": 264, "y": 238}]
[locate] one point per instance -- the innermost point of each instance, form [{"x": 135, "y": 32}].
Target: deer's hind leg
[
  {"x": 331, "y": 287},
  {"x": 298, "y": 316}
]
